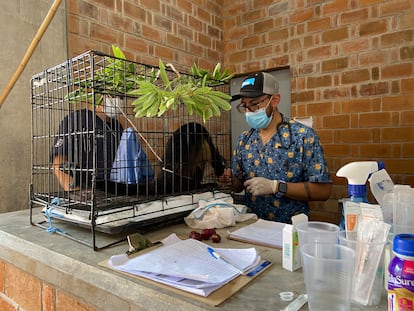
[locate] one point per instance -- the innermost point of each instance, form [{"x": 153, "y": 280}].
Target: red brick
[
  {"x": 398, "y": 103},
  {"x": 372, "y": 28},
  {"x": 373, "y": 58},
  {"x": 336, "y": 6},
  {"x": 22, "y": 288},
  {"x": 249, "y": 42},
  {"x": 319, "y": 109},
  {"x": 395, "y": 7},
  {"x": 336, "y": 150},
  {"x": 356, "y": 105},
  {"x": 48, "y": 298},
  {"x": 336, "y": 93},
  {"x": 335, "y": 35},
  {"x": 134, "y": 11},
  {"x": 357, "y": 136},
  {"x": 355, "y": 76},
  {"x": 2, "y": 276},
  {"x": 407, "y": 117},
  {"x": 319, "y": 24},
  {"x": 408, "y": 150},
  {"x": 321, "y": 81},
  {"x": 407, "y": 52},
  {"x": 336, "y": 121},
  {"x": 375, "y": 119},
  {"x": 151, "y": 33},
  {"x": 7, "y": 306},
  {"x": 372, "y": 89},
  {"x": 334, "y": 64},
  {"x": 400, "y": 134},
  {"x": 319, "y": 52},
  {"x": 301, "y": 16},
  {"x": 355, "y": 46},
  {"x": 400, "y": 166},
  {"x": 354, "y": 16},
  {"x": 407, "y": 85},
  {"x": 407, "y": 20},
  {"x": 396, "y": 38},
  {"x": 154, "y": 6},
  {"x": 397, "y": 70},
  {"x": 375, "y": 151}
]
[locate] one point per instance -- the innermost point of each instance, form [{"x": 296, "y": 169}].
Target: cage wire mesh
[{"x": 109, "y": 174}]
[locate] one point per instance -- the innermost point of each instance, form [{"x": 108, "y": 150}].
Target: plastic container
[
  {"x": 328, "y": 271},
  {"x": 367, "y": 282},
  {"x": 401, "y": 274},
  {"x": 317, "y": 232},
  {"x": 357, "y": 174}
]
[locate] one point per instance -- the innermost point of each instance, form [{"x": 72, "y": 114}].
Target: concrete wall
[{"x": 19, "y": 22}]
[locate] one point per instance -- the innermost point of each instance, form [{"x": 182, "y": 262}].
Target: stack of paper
[
  {"x": 188, "y": 265},
  {"x": 261, "y": 232}
]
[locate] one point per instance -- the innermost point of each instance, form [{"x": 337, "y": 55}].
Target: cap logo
[{"x": 249, "y": 81}]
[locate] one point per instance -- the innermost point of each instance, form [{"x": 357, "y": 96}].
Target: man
[{"x": 279, "y": 162}]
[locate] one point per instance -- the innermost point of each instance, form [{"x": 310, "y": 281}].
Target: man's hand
[{"x": 260, "y": 186}]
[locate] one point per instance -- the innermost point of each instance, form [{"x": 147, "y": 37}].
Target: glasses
[{"x": 252, "y": 106}]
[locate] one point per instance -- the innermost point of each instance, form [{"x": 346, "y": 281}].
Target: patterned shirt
[{"x": 293, "y": 154}]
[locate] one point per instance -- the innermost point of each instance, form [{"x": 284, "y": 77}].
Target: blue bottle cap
[{"x": 404, "y": 244}]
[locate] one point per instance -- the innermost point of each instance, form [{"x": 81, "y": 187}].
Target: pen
[
  {"x": 216, "y": 255},
  {"x": 258, "y": 268}
]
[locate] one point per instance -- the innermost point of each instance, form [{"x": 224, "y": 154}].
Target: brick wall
[
  {"x": 21, "y": 291},
  {"x": 182, "y": 32},
  {"x": 351, "y": 62}
]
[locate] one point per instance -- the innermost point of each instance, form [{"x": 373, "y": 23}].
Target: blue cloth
[
  {"x": 293, "y": 155},
  {"x": 131, "y": 164}
]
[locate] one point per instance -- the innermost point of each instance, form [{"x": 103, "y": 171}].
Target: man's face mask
[{"x": 258, "y": 119}]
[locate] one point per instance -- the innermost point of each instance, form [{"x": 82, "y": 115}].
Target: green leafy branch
[
  {"x": 195, "y": 91},
  {"x": 117, "y": 76}
]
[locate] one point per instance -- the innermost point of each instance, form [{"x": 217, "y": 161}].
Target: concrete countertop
[{"x": 74, "y": 267}]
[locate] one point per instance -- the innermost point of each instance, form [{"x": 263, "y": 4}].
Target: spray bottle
[{"x": 357, "y": 174}]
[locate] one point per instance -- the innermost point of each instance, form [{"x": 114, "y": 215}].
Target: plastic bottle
[
  {"x": 357, "y": 174},
  {"x": 401, "y": 274}
]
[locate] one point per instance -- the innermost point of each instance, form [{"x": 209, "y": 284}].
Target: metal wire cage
[{"x": 95, "y": 165}]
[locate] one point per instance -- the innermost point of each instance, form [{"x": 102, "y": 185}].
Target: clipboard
[
  {"x": 214, "y": 299},
  {"x": 262, "y": 232}
]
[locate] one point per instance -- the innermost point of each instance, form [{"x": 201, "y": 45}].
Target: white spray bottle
[{"x": 357, "y": 174}]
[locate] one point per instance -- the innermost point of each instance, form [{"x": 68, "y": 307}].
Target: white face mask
[
  {"x": 111, "y": 106},
  {"x": 259, "y": 119}
]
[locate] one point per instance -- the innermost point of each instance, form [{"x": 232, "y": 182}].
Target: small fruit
[
  {"x": 216, "y": 238},
  {"x": 195, "y": 235},
  {"x": 207, "y": 233}
]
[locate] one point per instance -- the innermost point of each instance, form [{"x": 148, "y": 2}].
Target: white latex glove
[
  {"x": 260, "y": 186},
  {"x": 112, "y": 106}
]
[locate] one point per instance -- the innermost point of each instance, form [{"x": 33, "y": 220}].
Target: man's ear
[{"x": 275, "y": 100}]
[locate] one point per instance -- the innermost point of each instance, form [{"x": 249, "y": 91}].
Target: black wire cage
[{"x": 98, "y": 167}]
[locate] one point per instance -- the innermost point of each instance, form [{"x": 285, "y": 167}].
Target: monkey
[{"x": 186, "y": 154}]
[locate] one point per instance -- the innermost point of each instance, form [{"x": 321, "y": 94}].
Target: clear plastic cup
[
  {"x": 317, "y": 231},
  {"x": 368, "y": 276},
  {"x": 328, "y": 269}
]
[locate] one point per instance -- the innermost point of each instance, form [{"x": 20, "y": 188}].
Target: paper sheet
[
  {"x": 261, "y": 232},
  {"x": 186, "y": 264}
]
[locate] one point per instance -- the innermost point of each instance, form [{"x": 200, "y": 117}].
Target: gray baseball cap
[{"x": 258, "y": 84}]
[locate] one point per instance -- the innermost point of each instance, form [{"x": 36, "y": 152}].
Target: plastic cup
[
  {"x": 317, "y": 232},
  {"x": 369, "y": 270},
  {"x": 328, "y": 269}
]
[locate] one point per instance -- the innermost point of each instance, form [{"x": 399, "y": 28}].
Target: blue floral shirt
[{"x": 293, "y": 154}]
